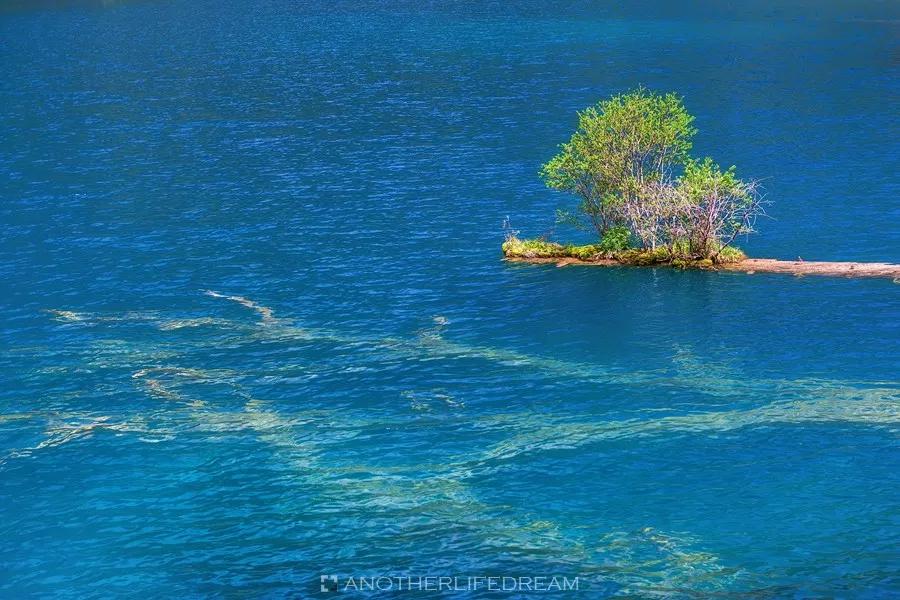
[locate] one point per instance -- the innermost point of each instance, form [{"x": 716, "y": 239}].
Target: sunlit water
[{"x": 256, "y": 327}]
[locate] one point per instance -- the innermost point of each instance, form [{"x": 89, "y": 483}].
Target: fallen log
[{"x": 750, "y": 266}]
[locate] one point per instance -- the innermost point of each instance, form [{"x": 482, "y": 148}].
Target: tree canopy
[{"x": 629, "y": 164}]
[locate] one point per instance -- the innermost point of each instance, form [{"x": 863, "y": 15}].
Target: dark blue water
[{"x": 256, "y": 328}]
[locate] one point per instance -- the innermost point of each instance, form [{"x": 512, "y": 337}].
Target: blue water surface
[{"x": 256, "y": 327}]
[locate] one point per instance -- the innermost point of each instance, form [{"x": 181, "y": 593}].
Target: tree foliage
[
  {"x": 718, "y": 206},
  {"x": 629, "y": 164}
]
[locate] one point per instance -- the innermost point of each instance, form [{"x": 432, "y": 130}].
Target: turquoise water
[{"x": 256, "y": 328}]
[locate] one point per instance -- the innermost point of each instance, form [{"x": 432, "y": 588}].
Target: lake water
[{"x": 256, "y": 326}]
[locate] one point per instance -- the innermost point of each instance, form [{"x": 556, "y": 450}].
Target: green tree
[
  {"x": 719, "y": 206},
  {"x": 622, "y": 147},
  {"x": 629, "y": 164}
]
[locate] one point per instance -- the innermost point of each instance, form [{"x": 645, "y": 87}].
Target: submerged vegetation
[{"x": 641, "y": 192}]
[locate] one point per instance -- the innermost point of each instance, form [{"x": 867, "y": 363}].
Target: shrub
[
  {"x": 719, "y": 207},
  {"x": 729, "y": 254},
  {"x": 514, "y": 247},
  {"x": 616, "y": 239},
  {"x": 535, "y": 248},
  {"x": 644, "y": 257}
]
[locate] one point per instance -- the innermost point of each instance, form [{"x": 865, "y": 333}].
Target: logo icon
[{"x": 328, "y": 583}]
